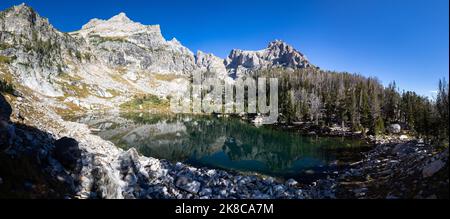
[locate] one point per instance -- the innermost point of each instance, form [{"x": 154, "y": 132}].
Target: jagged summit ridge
[
  {"x": 120, "y": 42},
  {"x": 121, "y": 17},
  {"x": 117, "y": 55},
  {"x": 117, "y": 26},
  {"x": 36, "y": 51},
  {"x": 277, "y": 54},
  {"x": 22, "y": 19},
  {"x": 21, "y": 9}
]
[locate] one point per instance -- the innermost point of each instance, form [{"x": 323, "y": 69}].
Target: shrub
[
  {"x": 6, "y": 87},
  {"x": 4, "y": 46},
  {"x": 5, "y": 59},
  {"x": 145, "y": 102}
]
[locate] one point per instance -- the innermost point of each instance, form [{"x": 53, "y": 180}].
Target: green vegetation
[
  {"x": 81, "y": 56},
  {"x": 74, "y": 87},
  {"x": 100, "y": 39},
  {"x": 68, "y": 77},
  {"x": 351, "y": 100},
  {"x": 4, "y": 46},
  {"x": 145, "y": 102},
  {"x": 42, "y": 47},
  {"x": 87, "y": 56},
  {"x": 113, "y": 92},
  {"x": 114, "y": 39},
  {"x": 79, "y": 91},
  {"x": 70, "y": 109},
  {"x": 5, "y": 59},
  {"x": 148, "y": 119},
  {"x": 168, "y": 77},
  {"x": 78, "y": 55},
  {"x": 6, "y": 87}
]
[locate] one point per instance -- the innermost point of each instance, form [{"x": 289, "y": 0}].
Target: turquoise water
[{"x": 220, "y": 143}]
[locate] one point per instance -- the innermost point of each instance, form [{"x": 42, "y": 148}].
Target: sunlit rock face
[
  {"x": 278, "y": 54},
  {"x": 107, "y": 62},
  {"x": 102, "y": 65},
  {"x": 119, "y": 26},
  {"x": 120, "y": 41},
  {"x": 37, "y": 52},
  {"x": 211, "y": 64}
]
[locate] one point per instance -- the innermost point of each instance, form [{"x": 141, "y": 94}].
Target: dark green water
[{"x": 220, "y": 143}]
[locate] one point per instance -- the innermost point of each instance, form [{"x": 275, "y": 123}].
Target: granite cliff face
[
  {"x": 108, "y": 61},
  {"x": 36, "y": 53},
  {"x": 210, "y": 63},
  {"x": 278, "y": 54},
  {"x": 100, "y": 66},
  {"x": 121, "y": 42}
]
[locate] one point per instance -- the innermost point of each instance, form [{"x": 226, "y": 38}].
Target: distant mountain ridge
[{"x": 107, "y": 61}]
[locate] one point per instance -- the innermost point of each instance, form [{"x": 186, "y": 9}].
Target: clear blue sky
[{"x": 402, "y": 40}]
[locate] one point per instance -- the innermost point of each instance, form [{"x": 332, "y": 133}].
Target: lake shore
[{"x": 96, "y": 168}]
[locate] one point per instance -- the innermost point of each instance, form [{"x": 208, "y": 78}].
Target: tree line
[{"x": 362, "y": 104}]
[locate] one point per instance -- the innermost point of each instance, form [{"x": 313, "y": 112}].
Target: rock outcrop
[
  {"x": 37, "y": 53},
  {"x": 278, "y": 54},
  {"x": 211, "y": 64},
  {"x": 396, "y": 170},
  {"x": 120, "y": 42},
  {"x": 108, "y": 61},
  {"x": 82, "y": 165},
  {"x": 100, "y": 66}
]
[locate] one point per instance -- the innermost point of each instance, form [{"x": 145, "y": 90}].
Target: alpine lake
[{"x": 225, "y": 143}]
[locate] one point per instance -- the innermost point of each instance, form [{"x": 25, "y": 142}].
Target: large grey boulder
[
  {"x": 188, "y": 184},
  {"x": 395, "y": 128}
]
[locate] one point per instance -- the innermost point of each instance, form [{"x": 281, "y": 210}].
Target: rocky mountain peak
[
  {"x": 114, "y": 49},
  {"x": 23, "y": 15},
  {"x": 287, "y": 55},
  {"x": 277, "y": 43},
  {"x": 23, "y": 22},
  {"x": 117, "y": 26},
  {"x": 278, "y": 54},
  {"x": 211, "y": 63},
  {"x": 281, "y": 46},
  {"x": 22, "y": 7},
  {"x": 121, "y": 17}
]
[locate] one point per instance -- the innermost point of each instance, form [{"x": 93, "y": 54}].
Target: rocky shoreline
[
  {"x": 90, "y": 167},
  {"x": 394, "y": 170},
  {"x": 110, "y": 62},
  {"x": 94, "y": 168}
]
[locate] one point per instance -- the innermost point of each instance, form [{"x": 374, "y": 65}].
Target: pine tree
[
  {"x": 391, "y": 103},
  {"x": 442, "y": 108}
]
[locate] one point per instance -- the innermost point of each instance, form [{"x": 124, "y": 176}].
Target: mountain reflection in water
[{"x": 218, "y": 143}]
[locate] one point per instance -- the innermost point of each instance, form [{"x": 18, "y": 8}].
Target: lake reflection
[{"x": 219, "y": 143}]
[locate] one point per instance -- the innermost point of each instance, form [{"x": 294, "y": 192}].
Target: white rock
[
  {"x": 395, "y": 128},
  {"x": 403, "y": 137}
]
